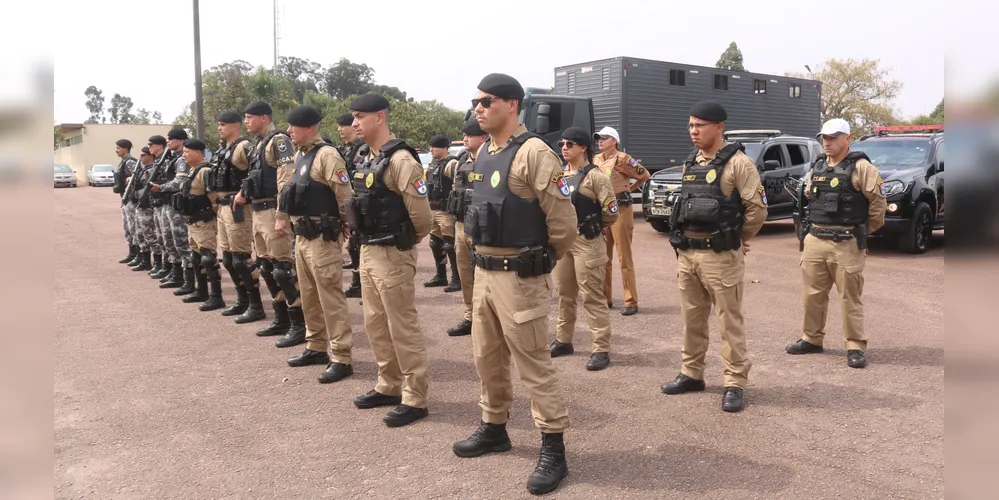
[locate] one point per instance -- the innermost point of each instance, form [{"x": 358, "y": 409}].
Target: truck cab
[{"x": 549, "y": 115}]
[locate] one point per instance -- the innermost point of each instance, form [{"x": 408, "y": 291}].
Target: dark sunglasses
[
  {"x": 485, "y": 102},
  {"x": 568, "y": 144}
]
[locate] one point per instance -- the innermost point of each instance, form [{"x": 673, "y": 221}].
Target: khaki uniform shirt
[{"x": 621, "y": 168}]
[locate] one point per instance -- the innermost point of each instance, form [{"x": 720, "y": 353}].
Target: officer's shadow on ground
[
  {"x": 826, "y": 397},
  {"x": 678, "y": 467}
]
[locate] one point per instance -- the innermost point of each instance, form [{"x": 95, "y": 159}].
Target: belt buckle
[{"x": 506, "y": 263}]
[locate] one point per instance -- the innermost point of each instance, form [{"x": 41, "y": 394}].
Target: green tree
[
  {"x": 731, "y": 59},
  {"x": 306, "y": 76},
  {"x": 121, "y": 109},
  {"x": 346, "y": 78},
  {"x": 861, "y": 92},
  {"x": 57, "y": 138},
  {"x": 938, "y": 112},
  {"x": 95, "y": 104}
]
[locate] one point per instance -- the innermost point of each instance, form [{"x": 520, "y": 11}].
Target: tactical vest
[
  {"x": 130, "y": 193},
  {"x": 461, "y": 189},
  {"x": 121, "y": 175},
  {"x": 438, "y": 184},
  {"x": 165, "y": 170},
  {"x": 832, "y": 199},
  {"x": 349, "y": 152},
  {"x": 497, "y": 217},
  {"x": 378, "y": 215},
  {"x": 702, "y": 206},
  {"x": 303, "y": 195},
  {"x": 261, "y": 181},
  {"x": 195, "y": 206},
  {"x": 589, "y": 213},
  {"x": 224, "y": 175}
]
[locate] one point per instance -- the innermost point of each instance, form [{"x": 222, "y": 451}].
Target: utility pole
[
  {"x": 274, "y": 67},
  {"x": 199, "y": 105}
]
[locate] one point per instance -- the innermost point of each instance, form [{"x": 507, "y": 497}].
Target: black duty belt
[
  {"x": 836, "y": 235},
  {"x": 491, "y": 263},
  {"x": 202, "y": 217},
  {"x": 224, "y": 200},
  {"x": 264, "y": 205},
  {"x": 624, "y": 199}
]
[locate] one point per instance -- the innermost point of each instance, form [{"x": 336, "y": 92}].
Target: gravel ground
[{"x": 154, "y": 399}]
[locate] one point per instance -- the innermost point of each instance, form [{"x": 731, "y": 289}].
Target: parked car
[
  {"x": 778, "y": 157},
  {"x": 100, "y": 175},
  {"x": 64, "y": 176}
]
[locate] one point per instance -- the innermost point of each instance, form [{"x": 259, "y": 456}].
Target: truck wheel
[
  {"x": 660, "y": 225},
  {"x": 916, "y": 238}
]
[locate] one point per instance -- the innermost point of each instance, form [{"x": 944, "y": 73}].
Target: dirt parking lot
[{"x": 154, "y": 399}]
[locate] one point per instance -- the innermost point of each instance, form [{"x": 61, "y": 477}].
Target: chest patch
[
  {"x": 711, "y": 176},
  {"x": 474, "y": 177},
  {"x": 494, "y": 180},
  {"x": 834, "y": 182},
  {"x": 301, "y": 171},
  {"x": 369, "y": 180}
]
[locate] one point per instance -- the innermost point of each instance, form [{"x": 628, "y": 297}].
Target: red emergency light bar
[{"x": 909, "y": 128}]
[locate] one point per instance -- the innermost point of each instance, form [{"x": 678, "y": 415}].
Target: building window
[
  {"x": 677, "y": 77},
  {"x": 759, "y": 86},
  {"x": 76, "y": 139},
  {"x": 721, "y": 82},
  {"x": 572, "y": 83},
  {"x": 605, "y": 78},
  {"x": 794, "y": 90}
]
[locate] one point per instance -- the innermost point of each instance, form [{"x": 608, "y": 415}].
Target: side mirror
[
  {"x": 542, "y": 125},
  {"x": 940, "y": 166},
  {"x": 770, "y": 165}
]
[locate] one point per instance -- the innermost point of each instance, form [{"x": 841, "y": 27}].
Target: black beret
[
  {"x": 471, "y": 127},
  {"x": 195, "y": 144},
  {"x": 177, "y": 133},
  {"x": 345, "y": 120},
  {"x": 123, "y": 143},
  {"x": 369, "y": 103},
  {"x": 439, "y": 141},
  {"x": 304, "y": 116},
  {"x": 502, "y": 86},
  {"x": 710, "y": 111},
  {"x": 578, "y": 135},
  {"x": 157, "y": 139},
  {"x": 229, "y": 116},
  {"x": 145, "y": 150},
  {"x": 258, "y": 108}
]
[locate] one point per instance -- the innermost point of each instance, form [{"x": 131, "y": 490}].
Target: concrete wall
[{"x": 98, "y": 146}]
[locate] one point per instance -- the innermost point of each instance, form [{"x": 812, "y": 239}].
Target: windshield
[
  {"x": 63, "y": 169},
  {"x": 895, "y": 152},
  {"x": 753, "y": 150},
  {"x": 103, "y": 168}
]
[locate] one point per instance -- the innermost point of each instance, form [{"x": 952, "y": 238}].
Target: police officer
[
  {"x": 172, "y": 223},
  {"x": 270, "y": 169},
  {"x": 314, "y": 199},
  {"x": 195, "y": 204},
  {"x": 461, "y": 196},
  {"x": 144, "y": 233},
  {"x": 349, "y": 152},
  {"x": 162, "y": 157},
  {"x": 391, "y": 215},
  {"x": 230, "y": 165},
  {"x": 721, "y": 207},
  {"x": 581, "y": 269},
  {"x": 126, "y": 168},
  {"x": 622, "y": 170},
  {"x": 440, "y": 175},
  {"x": 521, "y": 221},
  {"x": 845, "y": 203}
]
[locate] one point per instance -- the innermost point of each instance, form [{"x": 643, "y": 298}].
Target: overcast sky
[{"x": 440, "y": 49}]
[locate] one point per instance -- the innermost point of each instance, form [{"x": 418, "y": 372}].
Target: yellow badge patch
[
  {"x": 474, "y": 177},
  {"x": 834, "y": 182},
  {"x": 558, "y": 175},
  {"x": 689, "y": 177},
  {"x": 359, "y": 175},
  {"x": 711, "y": 176},
  {"x": 369, "y": 180},
  {"x": 495, "y": 179}
]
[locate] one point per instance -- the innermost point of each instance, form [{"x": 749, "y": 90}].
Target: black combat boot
[
  {"x": 487, "y": 438},
  {"x": 296, "y": 329},
  {"x": 215, "y": 296},
  {"x": 439, "y": 279},
  {"x": 165, "y": 269},
  {"x": 242, "y": 302},
  {"x": 201, "y": 291},
  {"x": 551, "y": 466},
  {"x": 143, "y": 264},
  {"x": 135, "y": 260},
  {"x": 255, "y": 308},
  {"x": 354, "y": 292},
  {"x": 455, "y": 285},
  {"x": 188, "y": 286},
  {"x": 176, "y": 277},
  {"x": 157, "y": 266},
  {"x": 463, "y": 328},
  {"x": 132, "y": 250},
  {"x": 279, "y": 325},
  {"x": 436, "y": 248}
]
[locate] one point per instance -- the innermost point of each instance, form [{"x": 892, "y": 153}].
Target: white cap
[
  {"x": 834, "y": 126},
  {"x": 607, "y": 132}
]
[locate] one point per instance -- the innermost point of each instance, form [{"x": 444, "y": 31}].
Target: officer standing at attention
[
  {"x": 721, "y": 207},
  {"x": 457, "y": 206},
  {"x": 144, "y": 235},
  {"x": 230, "y": 166},
  {"x": 581, "y": 270},
  {"x": 163, "y": 158},
  {"x": 126, "y": 168},
  {"x": 845, "y": 204},
  {"x": 270, "y": 169},
  {"x": 349, "y": 152},
  {"x": 391, "y": 214},
  {"x": 521, "y": 221},
  {"x": 145, "y": 212},
  {"x": 196, "y": 205},
  {"x": 172, "y": 223},
  {"x": 622, "y": 169},
  {"x": 440, "y": 175},
  {"x": 314, "y": 199}
]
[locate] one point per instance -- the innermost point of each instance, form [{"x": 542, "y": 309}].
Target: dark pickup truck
[{"x": 778, "y": 156}]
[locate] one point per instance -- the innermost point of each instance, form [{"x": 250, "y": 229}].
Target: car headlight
[{"x": 891, "y": 188}]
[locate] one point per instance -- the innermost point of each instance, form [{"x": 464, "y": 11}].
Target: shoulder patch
[
  {"x": 763, "y": 194},
  {"x": 640, "y": 170},
  {"x": 558, "y": 175},
  {"x": 421, "y": 186},
  {"x": 344, "y": 178},
  {"x": 612, "y": 205},
  {"x": 563, "y": 185},
  {"x": 881, "y": 186},
  {"x": 633, "y": 162},
  {"x": 280, "y": 144}
]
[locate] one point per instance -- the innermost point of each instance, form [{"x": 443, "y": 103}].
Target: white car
[{"x": 100, "y": 175}]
